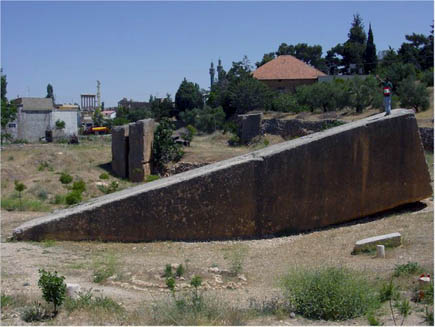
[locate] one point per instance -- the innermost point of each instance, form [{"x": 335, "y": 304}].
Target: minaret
[
  {"x": 98, "y": 95},
  {"x": 211, "y": 74},
  {"x": 219, "y": 69}
]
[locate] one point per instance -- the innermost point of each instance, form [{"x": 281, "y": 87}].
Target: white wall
[{"x": 70, "y": 119}]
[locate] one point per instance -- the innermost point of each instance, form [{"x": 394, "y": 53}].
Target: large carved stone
[
  {"x": 249, "y": 126},
  {"x": 325, "y": 178},
  {"x": 120, "y": 151},
  {"x": 140, "y": 145}
]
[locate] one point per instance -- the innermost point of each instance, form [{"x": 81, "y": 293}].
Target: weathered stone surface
[
  {"x": 141, "y": 138},
  {"x": 393, "y": 239},
  {"x": 426, "y": 134},
  {"x": 249, "y": 126},
  {"x": 120, "y": 151},
  {"x": 330, "y": 177},
  {"x": 73, "y": 290}
]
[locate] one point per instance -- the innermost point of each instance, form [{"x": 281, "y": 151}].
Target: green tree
[
  {"x": 161, "y": 108},
  {"x": 188, "y": 96},
  {"x": 310, "y": 54},
  {"x": 8, "y": 110},
  {"x": 50, "y": 93},
  {"x": 53, "y": 287},
  {"x": 20, "y": 187},
  {"x": 370, "y": 58},
  {"x": 266, "y": 58},
  {"x": 413, "y": 94},
  {"x": 164, "y": 148},
  {"x": 353, "y": 49},
  {"x": 363, "y": 92}
]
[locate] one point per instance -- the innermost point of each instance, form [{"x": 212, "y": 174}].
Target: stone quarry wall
[{"x": 325, "y": 178}]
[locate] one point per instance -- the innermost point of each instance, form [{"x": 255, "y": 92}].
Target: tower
[
  {"x": 98, "y": 95},
  {"x": 212, "y": 71},
  {"x": 220, "y": 70}
]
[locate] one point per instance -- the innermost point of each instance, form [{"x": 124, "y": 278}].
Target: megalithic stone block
[
  {"x": 249, "y": 126},
  {"x": 140, "y": 146},
  {"x": 330, "y": 177},
  {"x": 120, "y": 151}
]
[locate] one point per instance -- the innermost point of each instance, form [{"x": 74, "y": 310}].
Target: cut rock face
[{"x": 330, "y": 177}]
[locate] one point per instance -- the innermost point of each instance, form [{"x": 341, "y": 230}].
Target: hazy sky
[{"x": 140, "y": 48}]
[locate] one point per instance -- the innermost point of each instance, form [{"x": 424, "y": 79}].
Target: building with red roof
[{"x": 285, "y": 73}]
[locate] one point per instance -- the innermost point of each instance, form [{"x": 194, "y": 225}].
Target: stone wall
[
  {"x": 249, "y": 126},
  {"x": 120, "y": 151},
  {"x": 325, "y": 178}
]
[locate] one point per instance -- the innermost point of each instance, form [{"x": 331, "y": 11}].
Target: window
[{"x": 12, "y": 125}]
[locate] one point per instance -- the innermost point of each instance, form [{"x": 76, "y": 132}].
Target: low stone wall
[
  {"x": 426, "y": 134},
  {"x": 295, "y": 127},
  {"x": 325, "y": 178}
]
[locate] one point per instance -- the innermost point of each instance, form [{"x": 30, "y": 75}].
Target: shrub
[
  {"x": 168, "y": 271},
  {"x": 53, "y": 287},
  {"x": 329, "y": 293},
  {"x": 180, "y": 271},
  {"x": 426, "y": 77},
  {"x": 407, "y": 269},
  {"x": 6, "y": 300},
  {"x": 79, "y": 186},
  {"x": 65, "y": 178},
  {"x": 104, "y": 176},
  {"x": 59, "y": 199},
  {"x": 206, "y": 120},
  {"x": 35, "y": 313},
  {"x": 113, "y": 187},
  {"x": 73, "y": 197},
  {"x": 234, "y": 140},
  {"x": 236, "y": 258}
]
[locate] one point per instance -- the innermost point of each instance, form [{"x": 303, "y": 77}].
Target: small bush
[
  {"x": 407, "y": 269},
  {"x": 168, "y": 271},
  {"x": 113, "y": 187},
  {"x": 65, "y": 178},
  {"x": 35, "y": 313},
  {"x": 180, "y": 271},
  {"x": 234, "y": 140},
  {"x": 329, "y": 293},
  {"x": 73, "y": 197},
  {"x": 42, "y": 195},
  {"x": 104, "y": 176},
  {"x": 53, "y": 287},
  {"x": 79, "y": 186},
  {"x": 59, "y": 199},
  {"x": 43, "y": 165},
  {"x": 236, "y": 258},
  {"x": 60, "y": 124}
]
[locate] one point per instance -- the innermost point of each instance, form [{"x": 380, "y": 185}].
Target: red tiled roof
[{"x": 286, "y": 67}]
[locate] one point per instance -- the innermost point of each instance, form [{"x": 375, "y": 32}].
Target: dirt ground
[{"x": 136, "y": 282}]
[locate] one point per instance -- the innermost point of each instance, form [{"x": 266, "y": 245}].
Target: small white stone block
[
  {"x": 380, "y": 251},
  {"x": 72, "y": 290},
  {"x": 393, "y": 239}
]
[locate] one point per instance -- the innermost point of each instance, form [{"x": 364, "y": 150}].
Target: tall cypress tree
[
  {"x": 50, "y": 91},
  {"x": 370, "y": 58}
]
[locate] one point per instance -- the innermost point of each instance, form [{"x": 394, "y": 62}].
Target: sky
[{"x": 140, "y": 48}]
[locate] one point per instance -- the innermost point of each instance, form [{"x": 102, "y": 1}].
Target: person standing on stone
[{"x": 387, "y": 89}]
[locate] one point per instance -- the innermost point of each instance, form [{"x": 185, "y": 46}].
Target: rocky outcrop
[{"x": 325, "y": 178}]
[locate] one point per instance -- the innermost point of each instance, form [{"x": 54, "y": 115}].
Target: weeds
[
  {"x": 329, "y": 293},
  {"x": 407, "y": 269},
  {"x": 59, "y": 199},
  {"x": 104, "y": 176},
  {"x": 13, "y": 204},
  {"x": 36, "y": 312},
  {"x": 104, "y": 268},
  {"x": 180, "y": 271},
  {"x": 48, "y": 243},
  {"x": 79, "y": 186},
  {"x": 6, "y": 300},
  {"x": 236, "y": 258},
  {"x": 86, "y": 300},
  {"x": 113, "y": 187},
  {"x": 428, "y": 317},
  {"x": 45, "y": 165},
  {"x": 274, "y": 306},
  {"x": 151, "y": 178}
]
